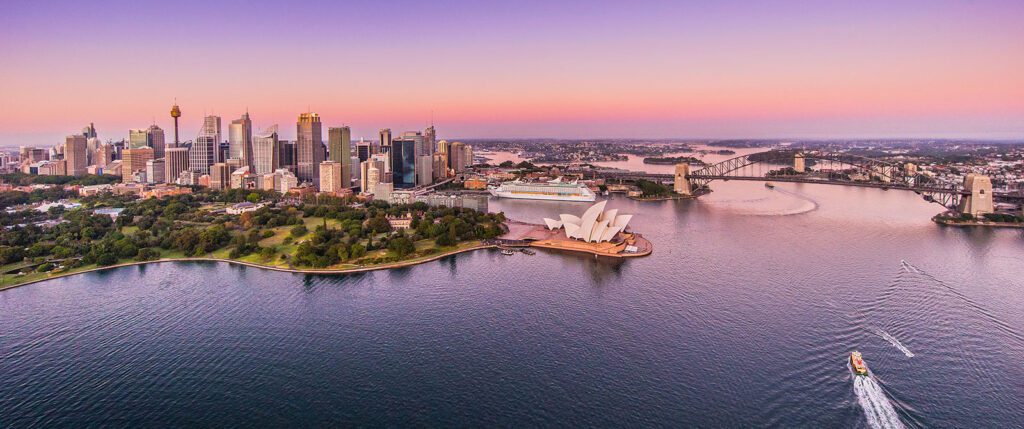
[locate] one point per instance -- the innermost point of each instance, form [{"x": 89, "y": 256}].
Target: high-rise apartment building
[
  {"x": 133, "y": 160},
  {"x": 266, "y": 151},
  {"x": 309, "y": 148},
  {"x": 240, "y": 139},
  {"x": 330, "y": 176},
  {"x": 76, "y": 155},
  {"x": 339, "y": 145},
  {"x": 175, "y": 161}
]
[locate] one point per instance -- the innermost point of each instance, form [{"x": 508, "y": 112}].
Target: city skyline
[{"x": 487, "y": 70}]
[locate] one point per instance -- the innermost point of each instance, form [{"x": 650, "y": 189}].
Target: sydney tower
[{"x": 175, "y": 113}]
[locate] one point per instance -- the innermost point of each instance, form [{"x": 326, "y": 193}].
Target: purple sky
[{"x": 519, "y": 69}]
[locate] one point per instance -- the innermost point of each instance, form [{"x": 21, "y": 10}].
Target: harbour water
[{"x": 744, "y": 316}]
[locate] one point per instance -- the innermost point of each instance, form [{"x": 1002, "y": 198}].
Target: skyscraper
[
  {"x": 385, "y": 140},
  {"x": 220, "y": 176},
  {"x": 240, "y": 139},
  {"x": 309, "y": 148},
  {"x": 137, "y": 139},
  {"x": 266, "y": 151},
  {"x": 455, "y": 152},
  {"x": 90, "y": 131},
  {"x": 370, "y": 174},
  {"x": 76, "y": 155},
  {"x": 203, "y": 153},
  {"x": 152, "y": 137},
  {"x": 418, "y": 137},
  {"x": 403, "y": 162},
  {"x": 467, "y": 157},
  {"x": 339, "y": 144},
  {"x": 442, "y": 155},
  {"x": 372, "y": 179},
  {"x": 429, "y": 140},
  {"x": 424, "y": 170},
  {"x": 134, "y": 160},
  {"x": 155, "y": 171},
  {"x": 104, "y": 155},
  {"x": 156, "y": 141},
  {"x": 211, "y": 128},
  {"x": 330, "y": 176},
  {"x": 175, "y": 161},
  {"x": 286, "y": 155},
  {"x": 92, "y": 145},
  {"x": 364, "y": 150}
]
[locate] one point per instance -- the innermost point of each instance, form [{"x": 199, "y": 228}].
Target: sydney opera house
[{"x": 595, "y": 226}]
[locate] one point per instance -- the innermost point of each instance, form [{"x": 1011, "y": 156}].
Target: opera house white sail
[{"x": 595, "y": 226}]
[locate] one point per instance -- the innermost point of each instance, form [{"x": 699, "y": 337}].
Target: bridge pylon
[
  {"x": 681, "y": 185},
  {"x": 979, "y": 201}
]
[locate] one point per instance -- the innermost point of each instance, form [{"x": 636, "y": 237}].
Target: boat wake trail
[
  {"x": 878, "y": 410},
  {"x": 892, "y": 340},
  {"x": 908, "y": 267}
]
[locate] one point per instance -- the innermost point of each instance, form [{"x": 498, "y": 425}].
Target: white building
[{"x": 596, "y": 224}]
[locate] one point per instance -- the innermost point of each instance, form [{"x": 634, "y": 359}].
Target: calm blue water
[{"x": 743, "y": 317}]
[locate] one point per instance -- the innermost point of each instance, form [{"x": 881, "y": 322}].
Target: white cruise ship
[{"x": 555, "y": 190}]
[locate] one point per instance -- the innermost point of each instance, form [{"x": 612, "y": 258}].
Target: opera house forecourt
[{"x": 597, "y": 231}]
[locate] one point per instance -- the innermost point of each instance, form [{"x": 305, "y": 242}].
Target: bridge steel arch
[{"x": 776, "y": 166}]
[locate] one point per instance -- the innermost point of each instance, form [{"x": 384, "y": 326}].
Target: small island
[
  {"x": 995, "y": 220},
  {"x": 646, "y": 190},
  {"x": 673, "y": 160}
]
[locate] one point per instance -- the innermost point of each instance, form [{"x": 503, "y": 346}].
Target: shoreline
[
  {"x": 401, "y": 264},
  {"x": 967, "y": 224},
  {"x": 668, "y": 198}
]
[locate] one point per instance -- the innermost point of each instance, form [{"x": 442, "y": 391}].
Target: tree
[
  {"x": 253, "y": 197},
  {"x": 106, "y": 259},
  {"x": 401, "y": 246},
  {"x": 299, "y": 231},
  {"x": 448, "y": 238},
  {"x": 379, "y": 224},
  {"x": 267, "y": 253}
]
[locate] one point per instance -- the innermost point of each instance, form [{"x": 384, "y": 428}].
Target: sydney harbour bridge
[{"x": 974, "y": 195}]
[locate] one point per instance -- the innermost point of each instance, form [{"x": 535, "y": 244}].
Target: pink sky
[{"x": 572, "y": 69}]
